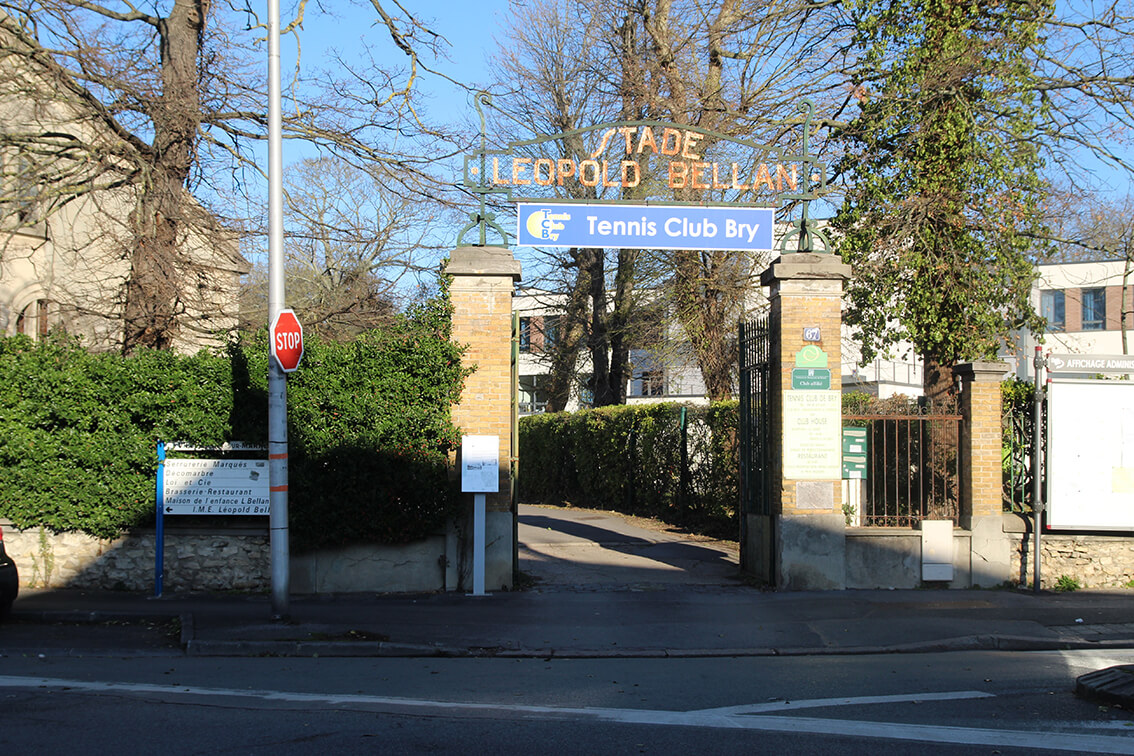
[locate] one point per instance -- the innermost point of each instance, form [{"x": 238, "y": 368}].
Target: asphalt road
[{"x": 955, "y": 703}]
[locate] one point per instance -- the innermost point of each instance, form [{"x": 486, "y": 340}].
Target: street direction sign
[
  {"x": 287, "y": 340},
  {"x": 215, "y": 487}
]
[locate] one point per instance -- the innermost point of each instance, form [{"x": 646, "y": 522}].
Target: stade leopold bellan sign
[
  {"x": 675, "y": 149},
  {"x": 643, "y": 184}
]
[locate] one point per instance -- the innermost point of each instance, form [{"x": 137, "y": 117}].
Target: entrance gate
[{"x": 755, "y": 434}]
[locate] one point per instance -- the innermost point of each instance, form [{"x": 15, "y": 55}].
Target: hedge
[
  {"x": 369, "y": 429},
  {"x": 636, "y": 459}
]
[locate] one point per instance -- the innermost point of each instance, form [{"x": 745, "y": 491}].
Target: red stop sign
[{"x": 287, "y": 340}]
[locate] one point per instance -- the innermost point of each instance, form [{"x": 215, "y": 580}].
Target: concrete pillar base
[
  {"x": 497, "y": 553},
  {"x": 756, "y": 555},
  {"x": 812, "y": 552},
  {"x": 991, "y": 558}
]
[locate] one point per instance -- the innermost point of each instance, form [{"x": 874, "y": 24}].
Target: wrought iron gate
[{"x": 756, "y": 350}]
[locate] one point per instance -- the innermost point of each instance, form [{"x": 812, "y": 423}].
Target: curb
[
  {"x": 200, "y": 647},
  {"x": 312, "y": 649},
  {"x": 1113, "y": 685},
  {"x": 363, "y": 649}
]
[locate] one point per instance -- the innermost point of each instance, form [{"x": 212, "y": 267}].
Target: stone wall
[
  {"x": 237, "y": 559},
  {"x": 1092, "y": 560},
  {"x": 231, "y": 559}
]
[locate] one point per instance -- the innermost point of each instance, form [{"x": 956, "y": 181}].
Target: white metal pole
[
  {"x": 277, "y": 379},
  {"x": 478, "y": 544},
  {"x": 1037, "y": 468}
]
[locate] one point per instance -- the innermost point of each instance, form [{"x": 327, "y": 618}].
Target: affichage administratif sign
[
  {"x": 646, "y": 185},
  {"x": 549, "y": 224}
]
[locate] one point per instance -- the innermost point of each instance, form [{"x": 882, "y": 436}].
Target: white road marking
[
  {"x": 815, "y": 703},
  {"x": 1023, "y": 739}
]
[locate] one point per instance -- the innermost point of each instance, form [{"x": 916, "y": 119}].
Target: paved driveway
[{"x": 588, "y": 549}]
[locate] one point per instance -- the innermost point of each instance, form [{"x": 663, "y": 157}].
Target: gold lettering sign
[{"x": 625, "y": 155}]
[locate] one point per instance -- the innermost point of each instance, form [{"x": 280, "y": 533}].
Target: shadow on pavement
[{"x": 585, "y": 548}]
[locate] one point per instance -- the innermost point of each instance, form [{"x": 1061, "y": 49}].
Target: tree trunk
[
  {"x": 938, "y": 380},
  {"x": 152, "y": 304},
  {"x": 599, "y": 338},
  {"x": 619, "y": 324},
  {"x": 565, "y": 352},
  {"x": 1124, "y": 309}
]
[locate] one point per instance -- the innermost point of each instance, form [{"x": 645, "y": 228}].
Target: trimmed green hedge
[
  {"x": 369, "y": 429},
  {"x": 631, "y": 459}
]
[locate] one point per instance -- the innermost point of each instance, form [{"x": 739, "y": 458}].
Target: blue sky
[{"x": 469, "y": 26}]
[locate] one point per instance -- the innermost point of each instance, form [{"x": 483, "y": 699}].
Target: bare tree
[
  {"x": 738, "y": 68},
  {"x": 349, "y": 246},
  {"x": 552, "y": 80},
  {"x": 159, "y": 103},
  {"x": 1084, "y": 66}
]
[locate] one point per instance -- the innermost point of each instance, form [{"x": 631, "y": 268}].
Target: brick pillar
[
  {"x": 481, "y": 293},
  {"x": 808, "y": 539},
  {"x": 981, "y": 482}
]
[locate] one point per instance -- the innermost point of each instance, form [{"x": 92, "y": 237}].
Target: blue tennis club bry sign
[{"x": 653, "y": 226}]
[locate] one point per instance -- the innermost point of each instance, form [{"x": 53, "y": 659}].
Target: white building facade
[{"x": 1088, "y": 310}]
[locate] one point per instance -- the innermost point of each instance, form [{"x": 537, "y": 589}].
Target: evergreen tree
[{"x": 943, "y": 206}]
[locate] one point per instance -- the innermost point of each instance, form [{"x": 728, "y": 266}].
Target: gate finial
[
  {"x": 803, "y": 228},
  {"x": 481, "y": 219}
]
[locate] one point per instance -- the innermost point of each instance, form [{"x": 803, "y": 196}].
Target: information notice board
[
  {"x": 813, "y": 435},
  {"x": 1090, "y": 457}
]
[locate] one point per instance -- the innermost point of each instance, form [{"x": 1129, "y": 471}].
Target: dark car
[{"x": 9, "y": 580}]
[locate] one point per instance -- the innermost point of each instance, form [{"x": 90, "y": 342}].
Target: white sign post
[{"x": 480, "y": 474}]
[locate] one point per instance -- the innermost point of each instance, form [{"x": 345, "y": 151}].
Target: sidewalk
[{"x": 673, "y": 621}]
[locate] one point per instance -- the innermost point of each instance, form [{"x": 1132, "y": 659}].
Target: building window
[
  {"x": 19, "y": 183},
  {"x": 533, "y": 394},
  {"x": 653, "y": 383},
  {"x": 525, "y": 334},
  {"x": 1094, "y": 309},
  {"x": 1053, "y": 309},
  {"x": 586, "y": 390},
  {"x": 550, "y": 331},
  {"x": 32, "y": 321}
]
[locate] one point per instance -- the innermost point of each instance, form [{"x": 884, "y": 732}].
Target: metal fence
[
  {"x": 1017, "y": 458},
  {"x": 912, "y": 466}
]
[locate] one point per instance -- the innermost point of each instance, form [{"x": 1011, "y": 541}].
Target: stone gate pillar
[
  {"x": 481, "y": 293},
  {"x": 808, "y": 524},
  {"x": 981, "y": 485}
]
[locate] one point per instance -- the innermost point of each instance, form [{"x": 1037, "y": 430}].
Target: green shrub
[
  {"x": 78, "y": 430},
  {"x": 1067, "y": 584},
  {"x": 1017, "y": 400},
  {"x": 369, "y": 429}
]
